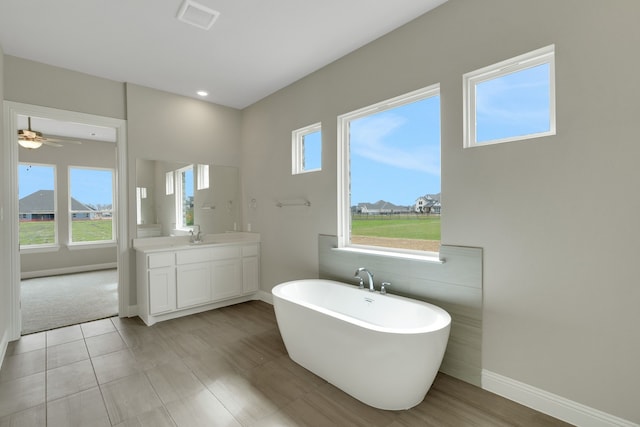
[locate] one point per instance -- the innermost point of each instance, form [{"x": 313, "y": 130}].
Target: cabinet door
[
  {"x": 250, "y": 274},
  {"x": 162, "y": 290},
  {"x": 194, "y": 284},
  {"x": 226, "y": 279}
]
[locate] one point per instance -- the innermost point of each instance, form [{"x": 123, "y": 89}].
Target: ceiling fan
[{"x": 32, "y": 139}]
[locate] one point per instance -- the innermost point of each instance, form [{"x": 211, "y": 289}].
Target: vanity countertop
[{"x": 161, "y": 244}]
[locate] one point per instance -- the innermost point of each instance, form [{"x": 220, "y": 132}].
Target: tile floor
[{"x": 225, "y": 367}]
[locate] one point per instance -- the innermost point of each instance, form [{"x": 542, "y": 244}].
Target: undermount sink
[{"x": 175, "y": 242}]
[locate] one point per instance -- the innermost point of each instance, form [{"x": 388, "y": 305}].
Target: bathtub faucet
[{"x": 369, "y": 274}]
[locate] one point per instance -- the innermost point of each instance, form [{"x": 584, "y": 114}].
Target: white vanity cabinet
[
  {"x": 250, "y": 269},
  {"x": 176, "y": 281},
  {"x": 162, "y": 282},
  {"x": 226, "y": 273},
  {"x": 193, "y": 272}
]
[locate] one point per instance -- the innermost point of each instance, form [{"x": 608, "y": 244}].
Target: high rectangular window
[
  {"x": 307, "y": 149},
  {"x": 511, "y": 100},
  {"x": 389, "y": 174},
  {"x": 91, "y": 205}
]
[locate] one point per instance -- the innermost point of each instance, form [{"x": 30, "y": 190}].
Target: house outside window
[
  {"x": 37, "y": 205},
  {"x": 91, "y": 193}
]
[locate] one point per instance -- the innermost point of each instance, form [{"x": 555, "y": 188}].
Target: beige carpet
[{"x": 56, "y": 301}]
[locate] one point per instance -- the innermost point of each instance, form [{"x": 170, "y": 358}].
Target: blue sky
[
  {"x": 32, "y": 178},
  {"x": 514, "y": 105},
  {"x": 88, "y": 186},
  {"x": 313, "y": 150},
  {"x": 395, "y": 154}
]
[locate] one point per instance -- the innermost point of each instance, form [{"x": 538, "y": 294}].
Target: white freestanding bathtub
[{"x": 384, "y": 350}]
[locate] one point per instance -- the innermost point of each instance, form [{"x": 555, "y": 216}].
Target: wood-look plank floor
[{"x": 225, "y": 367}]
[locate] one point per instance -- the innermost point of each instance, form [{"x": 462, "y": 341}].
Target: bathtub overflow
[{"x": 369, "y": 300}]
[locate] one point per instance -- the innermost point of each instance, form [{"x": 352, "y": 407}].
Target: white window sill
[
  {"x": 91, "y": 245},
  {"x": 35, "y": 249},
  {"x": 432, "y": 257}
]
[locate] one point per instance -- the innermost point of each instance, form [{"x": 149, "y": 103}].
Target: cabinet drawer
[
  {"x": 226, "y": 252},
  {"x": 250, "y": 250},
  {"x": 164, "y": 259},
  {"x": 193, "y": 255}
]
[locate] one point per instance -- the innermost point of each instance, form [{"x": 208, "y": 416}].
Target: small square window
[
  {"x": 511, "y": 100},
  {"x": 306, "y": 149}
]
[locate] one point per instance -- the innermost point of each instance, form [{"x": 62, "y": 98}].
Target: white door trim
[{"x": 11, "y": 251}]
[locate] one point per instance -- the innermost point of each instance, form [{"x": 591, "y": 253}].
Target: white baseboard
[
  {"x": 67, "y": 270},
  {"x": 132, "y": 311},
  {"x": 549, "y": 403},
  {"x": 264, "y": 296}
]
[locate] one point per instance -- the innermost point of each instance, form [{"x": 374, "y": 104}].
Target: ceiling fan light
[
  {"x": 32, "y": 145},
  {"x": 27, "y": 134}
]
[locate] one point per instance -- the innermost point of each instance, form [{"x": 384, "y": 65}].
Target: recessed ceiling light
[{"x": 202, "y": 93}]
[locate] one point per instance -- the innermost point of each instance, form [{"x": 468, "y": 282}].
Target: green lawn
[
  {"x": 406, "y": 227},
  {"x": 42, "y": 232}
]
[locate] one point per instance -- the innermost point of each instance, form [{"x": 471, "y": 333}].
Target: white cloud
[{"x": 375, "y": 138}]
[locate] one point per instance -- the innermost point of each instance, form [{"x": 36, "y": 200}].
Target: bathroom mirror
[{"x": 171, "y": 197}]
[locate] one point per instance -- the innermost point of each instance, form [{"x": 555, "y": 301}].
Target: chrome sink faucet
[
  {"x": 195, "y": 238},
  {"x": 369, "y": 274}
]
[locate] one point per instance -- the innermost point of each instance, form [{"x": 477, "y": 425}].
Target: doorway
[
  {"x": 52, "y": 302},
  {"x": 66, "y": 193},
  {"x": 14, "y": 113}
]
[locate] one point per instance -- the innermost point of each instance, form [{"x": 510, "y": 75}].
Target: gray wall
[
  {"x": 163, "y": 126},
  {"x": 556, "y": 217},
  {"x": 159, "y": 125},
  {"x": 40, "y": 84}
]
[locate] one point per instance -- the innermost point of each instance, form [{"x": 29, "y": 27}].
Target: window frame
[
  {"x": 545, "y": 55},
  {"x": 297, "y": 148},
  {"x": 202, "y": 181},
  {"x": 71, "y": 243},
  {"x": 344, "y": 176},
  {"x": 179, "y": 197},
  {"x": 169, "y": 183},
  {"x": 56, "y": 238}
]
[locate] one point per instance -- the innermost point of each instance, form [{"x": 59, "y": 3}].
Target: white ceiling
[{"x": 253, "y": 49}]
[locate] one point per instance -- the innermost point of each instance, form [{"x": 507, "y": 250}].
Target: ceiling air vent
[{"x": 197, "y": 15}]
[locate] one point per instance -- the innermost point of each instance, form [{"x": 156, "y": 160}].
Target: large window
[
  {"x": 91, "y": 205},
  {"x": 511, "y": 100},
  {"x": 37, "y": 205},
  {"x": 389, "y": 174}
]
